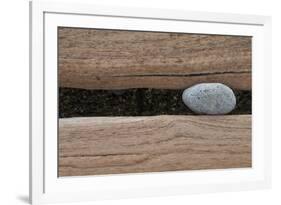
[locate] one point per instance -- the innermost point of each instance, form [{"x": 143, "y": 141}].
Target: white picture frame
[{"x": 46, "y": 187}]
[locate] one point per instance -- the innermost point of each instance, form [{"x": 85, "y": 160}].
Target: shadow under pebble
[{"x": 133, "y": 102}]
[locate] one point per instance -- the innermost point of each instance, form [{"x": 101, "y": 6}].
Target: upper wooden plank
[{"x": 113, "y": 59}]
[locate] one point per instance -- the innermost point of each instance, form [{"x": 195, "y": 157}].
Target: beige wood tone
[
  {"x": 108, "y": 59},
  {"x": 110, "y": 145}
]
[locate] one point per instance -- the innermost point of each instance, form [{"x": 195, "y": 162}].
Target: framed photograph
[{"x": 129, "y": 102}]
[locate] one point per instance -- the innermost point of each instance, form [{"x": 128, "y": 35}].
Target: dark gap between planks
[{"x": 133, "y": 102}]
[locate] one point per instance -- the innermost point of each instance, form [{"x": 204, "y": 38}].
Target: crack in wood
[{"x": 178, "y": 74}]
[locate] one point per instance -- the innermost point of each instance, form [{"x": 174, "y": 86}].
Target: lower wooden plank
[{"x": 111, "y": 145}]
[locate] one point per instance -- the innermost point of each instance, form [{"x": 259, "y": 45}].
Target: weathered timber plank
[
  {"x": 108, "y": 59},
  {"x": 110, "y": 145}
]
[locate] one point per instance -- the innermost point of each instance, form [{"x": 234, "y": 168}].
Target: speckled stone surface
[{"x": 209, "y": 99}]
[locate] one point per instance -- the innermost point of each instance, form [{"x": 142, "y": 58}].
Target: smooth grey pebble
[{"x": 209, "y": 98}]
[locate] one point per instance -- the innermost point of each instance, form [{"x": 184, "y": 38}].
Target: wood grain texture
[
  {"x": 110, "y": 145},
  {"x": 112, "y": 59}
]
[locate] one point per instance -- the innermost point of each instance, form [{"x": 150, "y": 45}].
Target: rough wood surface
[
  {"x": 108, "y": 59},
  {"x": 110, "y": 145}
]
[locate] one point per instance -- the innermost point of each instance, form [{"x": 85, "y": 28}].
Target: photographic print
[
  {"x": 138, "y": 102},
  {"x": 148, "y": 101}
]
